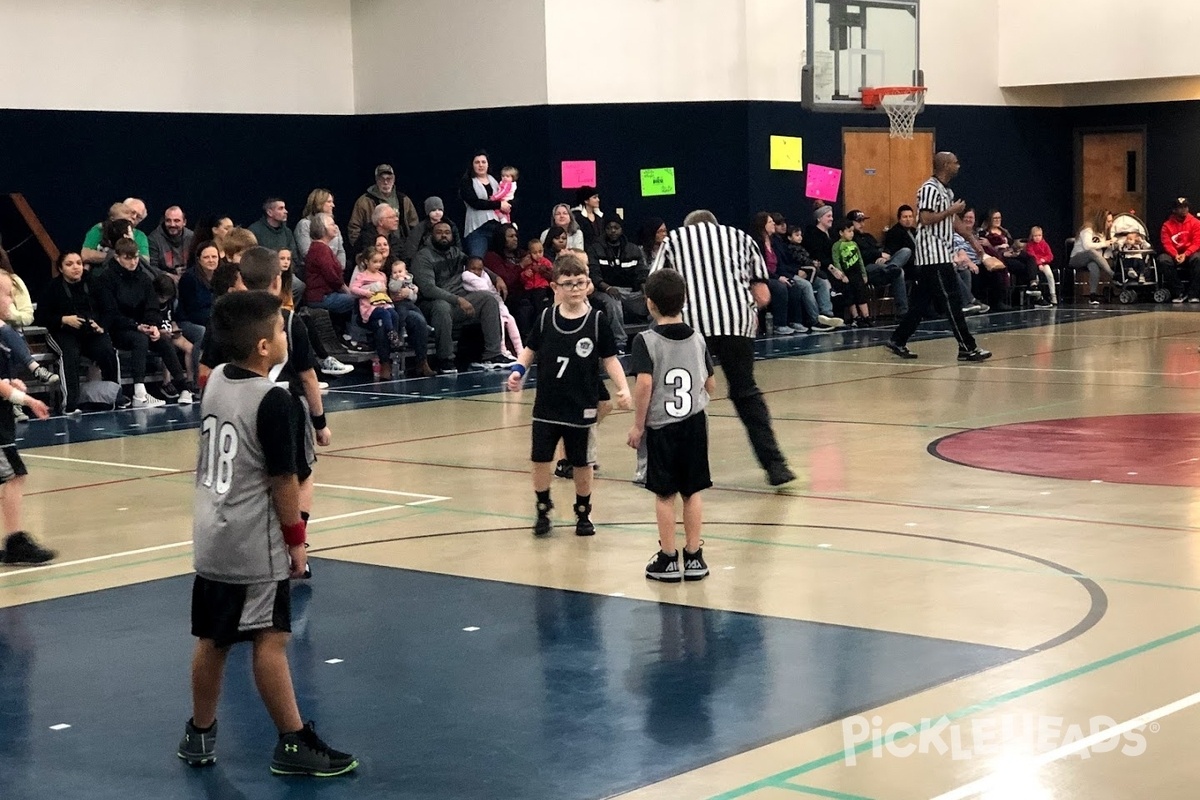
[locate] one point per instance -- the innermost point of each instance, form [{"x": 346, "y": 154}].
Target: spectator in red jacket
[
  {"x": 1039, "y": 250},
  {"x": 1181, "y": 246},
  {"x": 325, "y": 287}
]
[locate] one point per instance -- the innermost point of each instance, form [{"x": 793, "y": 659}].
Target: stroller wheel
[
  {"x": 1127, "y": 296},
  {"x": 1162, "y": 295}
]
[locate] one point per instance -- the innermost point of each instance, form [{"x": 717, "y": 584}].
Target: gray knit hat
[
  {"x": 433, "y": 204},
  {"x": 822, "y": 211}
]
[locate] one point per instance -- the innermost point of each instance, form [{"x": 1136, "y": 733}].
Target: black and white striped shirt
[
  {"x": 935, "y": 243},
  {"x": 718, "y": 263}
]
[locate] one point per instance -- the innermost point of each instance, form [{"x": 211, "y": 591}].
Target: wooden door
[
  {"x": 881, "y": 173},
  {"x": 1111, "y": 170}
]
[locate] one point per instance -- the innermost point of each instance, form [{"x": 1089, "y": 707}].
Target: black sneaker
[
  {"x": 45, "y": 376},
  {"x": 899, "y": 349},
  {"x": 563, "y": 469},
  {"x": 198, "y": 749},
  {"x": 978, "y": 354},
  {"x": 583, "y": 525},
  {"x": 779, "y": 475},
  {"x": 694, "y": 566},
  {"x": 394, "y": 340},
  {"x": 19, "y": 548},
  {"x": 543, "y": 525},
  {"x": 664, "y": 568},
  {"x": 303, "y": 753},
  {"x": 169, "y": 391}
]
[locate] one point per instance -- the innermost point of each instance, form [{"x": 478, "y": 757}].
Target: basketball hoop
[{"x": 900, "y": 103}]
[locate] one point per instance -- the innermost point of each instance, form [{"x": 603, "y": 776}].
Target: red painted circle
[{"x": 1153, "y": 449}]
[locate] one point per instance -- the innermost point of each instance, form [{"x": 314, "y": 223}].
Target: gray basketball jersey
[
  {"x": 680, "y": 371},
  {"x": 235, "y": 529}
]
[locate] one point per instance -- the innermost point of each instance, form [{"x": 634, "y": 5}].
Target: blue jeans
[
  {"x": 11, "y": 338},
  {"x": 337, "y": 303},
  {"x": 476, "y": 243},
  {"x": 382, "y": 322},
  {"x": 892, "y": 274},
  {"x": 416, "y": 329}
]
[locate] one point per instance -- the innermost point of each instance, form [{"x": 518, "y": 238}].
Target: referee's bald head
[{"x": 699, "y": 217}]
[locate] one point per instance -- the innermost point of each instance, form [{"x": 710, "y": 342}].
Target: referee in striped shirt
[
  {"x": 939, "y": 219},
  {"x": 727, "y": 283}
]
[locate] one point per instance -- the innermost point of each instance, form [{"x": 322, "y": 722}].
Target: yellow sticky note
[{"x": 787, "y": 152}]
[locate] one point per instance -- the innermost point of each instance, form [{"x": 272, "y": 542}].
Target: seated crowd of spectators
[{"x": 396, "y": 280}]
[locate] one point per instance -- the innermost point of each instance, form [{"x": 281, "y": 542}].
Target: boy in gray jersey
[
  {"x": 249, "y": 537},
  {"x": 674, "y": 379}
]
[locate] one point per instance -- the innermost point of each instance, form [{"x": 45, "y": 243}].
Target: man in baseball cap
[
  {"x": 883, "y": 268},
  {"x": 382, "y": 191}
]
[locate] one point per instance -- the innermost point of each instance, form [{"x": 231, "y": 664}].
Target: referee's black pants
[
  {"x": 936, "y": 282},
  {"x": 735, "y": 354}
]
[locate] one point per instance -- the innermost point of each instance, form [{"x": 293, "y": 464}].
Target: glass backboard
[{"x": 857, "y": 43}]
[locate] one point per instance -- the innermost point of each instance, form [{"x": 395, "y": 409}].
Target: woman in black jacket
[{"x": 70, "y": 312}]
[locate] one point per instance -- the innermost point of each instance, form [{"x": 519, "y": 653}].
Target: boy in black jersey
[{"x": 569, "y": 342}]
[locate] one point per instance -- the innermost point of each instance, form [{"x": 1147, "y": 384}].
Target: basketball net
[{"x": 900, "y": 103}]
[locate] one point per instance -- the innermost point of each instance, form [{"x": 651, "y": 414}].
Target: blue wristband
[{"x": 519, "y": 369}]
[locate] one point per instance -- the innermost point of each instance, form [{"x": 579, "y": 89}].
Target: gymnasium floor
[{"x": 1005, "y": 550}]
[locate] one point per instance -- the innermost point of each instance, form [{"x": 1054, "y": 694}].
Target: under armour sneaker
[
  {"x": 543, "y": 525},
  {"x": 198, "y": 748},
  {"x": 303, "y": 753},
  {"x": 694, "y": 567},
  {"x": 665, "y": 568},
  {"x": 978, "y": 354},
  {"x": 20, "y": 548},
  {"x": 583, "y": 525}
]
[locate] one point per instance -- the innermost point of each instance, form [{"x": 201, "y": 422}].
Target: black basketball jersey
[{"x": 569, "y": 353}]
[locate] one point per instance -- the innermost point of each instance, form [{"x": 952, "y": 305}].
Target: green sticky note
[
  {"x": 787, "y": 153},
  {"x": 658, "y": 181}
]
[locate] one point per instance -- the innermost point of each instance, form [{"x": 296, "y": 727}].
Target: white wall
[
  {"x": 1052, "y": 43},
  {"x": 221, "y": 56},
  {"x": 434, "y": 55},
  {"x": 645, "y": 51}
]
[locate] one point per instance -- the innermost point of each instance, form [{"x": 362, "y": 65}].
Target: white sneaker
[
  {"x": 185, "y": 398},
  {"x": 323, "y": 386},
  {"x": 784, "y": 330},
  {"x": 331, "y": 366},
  {"x": 833, "y": 322},
  {"x": 148, "y": 401}
]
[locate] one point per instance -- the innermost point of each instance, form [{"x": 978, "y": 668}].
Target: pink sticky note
[
  {"x": 578, "y": 173},
  {"x": 822, "y": 183}
]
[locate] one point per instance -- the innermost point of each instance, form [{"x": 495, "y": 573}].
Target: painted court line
[
  {"x": 985, "y": 705},
  {"x": 428, "y": 498},
  {"x": 99, "y": 463},
  {"x": 1031, "y": 765}
]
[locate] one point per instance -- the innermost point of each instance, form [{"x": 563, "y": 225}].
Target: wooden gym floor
[{"x": 984, "y": 584}]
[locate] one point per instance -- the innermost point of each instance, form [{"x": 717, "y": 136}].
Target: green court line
[
  {"x": 986, "y": 705},
  {"x": 818, "y": 792}
]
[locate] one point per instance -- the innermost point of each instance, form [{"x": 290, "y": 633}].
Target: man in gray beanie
[{"x": 435, "y": 211}]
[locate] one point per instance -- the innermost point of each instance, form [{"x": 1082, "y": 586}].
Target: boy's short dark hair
[
  {"x": 845, "y": 225},
  {"x": 259, "y": 267},
  {"x": 467, "y": 263},
  {"x": 902, "y": 209},
  {"x": 126, "y": 247},
  {"x": 568, "y": 264},
  {"x": 240, "y": 320},
  {"x": 224, "y": 278},
  {"x": 668, "y": 291},
  {"x": 164, "y": 286},
  {"x": 795, "y": 229}
]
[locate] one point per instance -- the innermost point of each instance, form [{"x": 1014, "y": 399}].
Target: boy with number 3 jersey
[{"x": 674, "y": 380}]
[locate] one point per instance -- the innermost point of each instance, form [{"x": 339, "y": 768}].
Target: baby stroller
[{"x": 1135, "y": 272}]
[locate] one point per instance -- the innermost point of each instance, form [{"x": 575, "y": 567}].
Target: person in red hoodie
[
  {"x": 1181, "y": 246},
  {"x": 1038, "y": 249}
]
